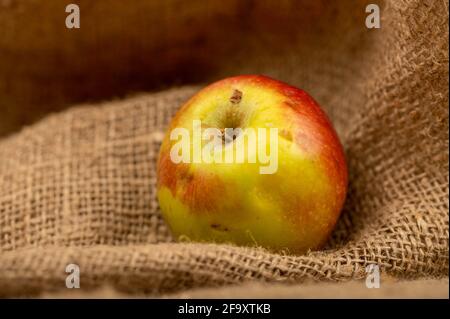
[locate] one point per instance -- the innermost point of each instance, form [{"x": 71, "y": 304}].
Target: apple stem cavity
[{"x": 232, "y": 119}]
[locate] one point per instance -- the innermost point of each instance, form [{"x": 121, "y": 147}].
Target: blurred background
[{"x": 125, "y": 47}]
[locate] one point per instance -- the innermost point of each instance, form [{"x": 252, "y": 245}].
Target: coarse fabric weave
[{"x": 79, "y": 186}]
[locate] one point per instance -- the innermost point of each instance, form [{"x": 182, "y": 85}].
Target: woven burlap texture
[
  {"x": 79, "y": 186},
  {"x": 419, "y": 288}
]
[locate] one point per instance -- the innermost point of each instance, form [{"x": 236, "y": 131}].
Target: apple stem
[{"x": 236, "y": 97}]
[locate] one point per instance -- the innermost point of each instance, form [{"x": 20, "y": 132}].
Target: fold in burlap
[{"x": 79, "y": 186}]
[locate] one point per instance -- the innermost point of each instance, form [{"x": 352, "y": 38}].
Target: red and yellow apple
[{"x": 292, "y": 207}]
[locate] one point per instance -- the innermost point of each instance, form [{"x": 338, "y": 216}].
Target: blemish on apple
[
  {"x": 219, "y": 227},
  {"x": 236, "y": 97}
]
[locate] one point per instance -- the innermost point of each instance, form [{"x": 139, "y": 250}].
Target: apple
[{"x": 285, "y": 180}]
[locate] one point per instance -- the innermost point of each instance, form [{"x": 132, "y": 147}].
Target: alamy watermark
[
  {"x": 73, "y": 17},
  {"x": 229, "y": 145},
  {"x": 373, "y": 18},
  {"x": 373, "y": 276},
  {"x": 73, "y": 279}
]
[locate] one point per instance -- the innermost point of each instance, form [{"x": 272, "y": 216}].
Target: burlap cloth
[
  {"x": 79, "y": 186},
  {"x": 389, "y": 288}
]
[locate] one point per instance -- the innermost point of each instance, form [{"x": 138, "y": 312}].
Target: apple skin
[{"x": 293, "y": 210}]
